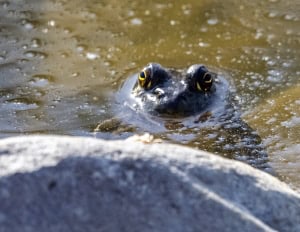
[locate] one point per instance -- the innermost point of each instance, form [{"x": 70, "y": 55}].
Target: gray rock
[{"x": 52, "y": 183}]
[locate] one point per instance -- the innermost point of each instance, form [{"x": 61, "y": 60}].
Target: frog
[
  {"x": 196, "y": 107},
  {"x": 165, "y": 92}
]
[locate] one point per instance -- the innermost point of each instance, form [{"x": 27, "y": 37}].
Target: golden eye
[
  {"x": 142, "y": 76},
  {"x": 142, "y": 79}
]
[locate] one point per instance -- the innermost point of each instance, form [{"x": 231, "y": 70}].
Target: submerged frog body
[{"x": 195, "y": 107}]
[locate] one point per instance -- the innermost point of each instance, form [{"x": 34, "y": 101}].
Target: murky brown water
[{"x": 61, "y": 61}]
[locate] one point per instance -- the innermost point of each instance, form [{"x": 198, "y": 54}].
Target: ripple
[
  {"x": 136, "y": 21},
  {"x": 35, "y": 43},
  {"x": 92, "y": 56},
  {"x": 173, "y": 22},
  {"x": 35, "y": 54},
  {"x": 81, "y": 48},
  {"x": 88, "y": 15},
  {"x": 212, "y": 21},
  {"x": 20, "y": 104},
  {"x": 75, "y": 74},
  {"x": 293, "y": 122},
  {"x": 51, "y": 23},
  {"x": 273, "y": 14},
  {"x": 28, "y": 25},
  {"x": 290, "y": 17},
  {"x": 186, "y": 9},
  {"x": 41, "y": 80}
]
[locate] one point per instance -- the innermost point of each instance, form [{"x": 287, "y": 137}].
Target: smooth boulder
[{"x": 60, "y": 183}]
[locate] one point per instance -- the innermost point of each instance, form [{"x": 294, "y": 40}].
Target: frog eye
[
  {"x": 152, "y": 75},
  {"x": 204, "y": 83},
  {"x": 207, "y": 78},
  {"x": 144, "y": 78}
]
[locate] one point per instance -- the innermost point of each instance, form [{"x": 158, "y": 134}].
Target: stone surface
[{"x": 51, "y": 183}]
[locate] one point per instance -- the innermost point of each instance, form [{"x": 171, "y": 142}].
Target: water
[{"x": 62, "y": 61}]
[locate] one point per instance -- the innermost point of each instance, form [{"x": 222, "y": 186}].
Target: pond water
[{"x": 62, "y": 62}]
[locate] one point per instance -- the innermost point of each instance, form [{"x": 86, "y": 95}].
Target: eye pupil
[{"x": 142, "y": 75}]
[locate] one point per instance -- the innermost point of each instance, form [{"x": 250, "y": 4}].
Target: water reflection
[{"x": 61, "y": 61}]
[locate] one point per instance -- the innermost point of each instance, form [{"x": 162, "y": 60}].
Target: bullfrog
[{"x": 194, "y": 106}]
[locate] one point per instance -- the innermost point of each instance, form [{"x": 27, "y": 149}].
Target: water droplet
[
  {"x": 274, "y": 77},
  {"x": 88, "y": 15},
  {"x": 212, "y": 21},
  {"x": 130, "y": 13},
  {"x": 204, "y": 29},
  {"x": 51, "y": 23},
  {"x": 186, "y": 9},
  {"x": 259, "y": 34},
  {"x": 35, "y": 43},
  {"x": 57, "y": 100},
  {"x": 41, "y": 80},
  {"x": 107, "y": 64},
  {"x": 27, "y": 25},
  {"x": 17, "y": 69},
  {"x": 67, "y": 30},
  {"x": 45, "y": 30},
  {"x": 286, "y": 64},
  {"x": 64, "y": 55},
  {"x": 202, "y": 44},
  {"x": 20, "y": 104},
  {"x": 218, "y": 58},
  {"x": 289, "y": 17},
  {"x": 33, "y": 54},
  {"x": 29, "y": 54},
  {"x": 92, "y": 56},
  {"x": 136, "y": 21},
  {"x": 173, "y": 22},
  {"x": 75, "y": 74},
  {"x": 270, "y": 38},
  {"x": 271, "y": 62},
  {"x": 80, "y": 48},
  {"x": 112, "y": 72},
  {"x": 272, "y": 14}
]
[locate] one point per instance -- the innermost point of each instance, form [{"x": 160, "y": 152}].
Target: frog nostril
[{"x": 159, "y": 92}]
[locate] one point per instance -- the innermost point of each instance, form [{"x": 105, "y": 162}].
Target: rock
[{"x": 52, "y": 183}]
